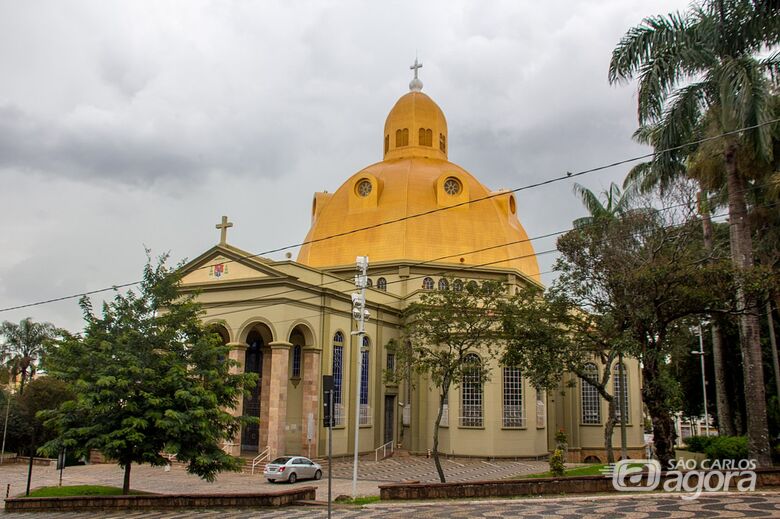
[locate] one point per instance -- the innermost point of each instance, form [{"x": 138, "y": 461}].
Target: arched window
[
  {"x": 471, "y": 393},
  {"x": 444, "y": 284},
  {"x": 443, "y": 142},
  {"x": 457, "y": 285},
  {"x": 365, "y": 409},
  {"x": 472, "y": 286},
  {"x": 513, "y": 398},
  {"x": 427, "y": 284},
  {"x": 590, "y": 400},
  {"x": 620, "y": 390},
  {"x": 387, "y": 143},
  {"x": 381, "y": 284},
  {"x": 425, "y": 137},
  {"x": 296, "y": 361},
  {"x": 338, "y": 374},
  {"x": 369, "y": 283},
  {"x": 402, "y": 138}
]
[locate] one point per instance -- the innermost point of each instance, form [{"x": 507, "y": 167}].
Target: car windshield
[{"x": 281, "y": 461}]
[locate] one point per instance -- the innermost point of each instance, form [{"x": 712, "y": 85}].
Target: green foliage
[
  {"x": 698, "y": 443},
  {"x": 445, "y": 329},
  {"x": 148, "y": 377},
  {"x": 557, "y": 467},
  {"x": 727, "y": 448}
]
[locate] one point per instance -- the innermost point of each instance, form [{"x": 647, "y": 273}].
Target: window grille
[
  {"x": 444, "y": 284},
  {"x": 457, "y": 285},
  {"x": 391, "y": 362},
  {"x": 513, "y": 398},
  {"x": 471, "y": 394},
  {"x": 381, "y": 284},
  {"x": 427, "y": 284},
  {"x": 620, "y": 390},
  {"x": 590, "y": 399},
  {"x": 296, "y": 361},
  {"x": 338, "y": 355}
]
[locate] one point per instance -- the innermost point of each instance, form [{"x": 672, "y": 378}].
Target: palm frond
[
  {"x": 589, "y": 200},
  {"x": 643, "y": 41}
]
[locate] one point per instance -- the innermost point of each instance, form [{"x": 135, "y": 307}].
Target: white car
[{"x": 291, "y": 469}]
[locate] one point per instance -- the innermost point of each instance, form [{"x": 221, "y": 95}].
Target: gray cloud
[{"x": 124, "y": 124}]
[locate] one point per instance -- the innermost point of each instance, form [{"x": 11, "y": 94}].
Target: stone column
[
  {"x": 238, "y": 354},
  {"x": 277, "y": 396},
  {"x": 311, "y": 398},
  {"x": 265, "y": 397}
]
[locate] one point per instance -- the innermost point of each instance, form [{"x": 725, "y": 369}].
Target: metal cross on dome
[
  {"x": 415, "y": 67},
  {"x": 223, "y": 227}
]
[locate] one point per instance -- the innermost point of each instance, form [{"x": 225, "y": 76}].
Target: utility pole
[
  {"x": 360, "y": 314},
  {"x": 700, "y": 353}
]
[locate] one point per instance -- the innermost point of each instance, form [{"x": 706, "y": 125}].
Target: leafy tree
[
  {"x": 24, "y": 344},
  {"x": 42, "y": 394},
  {"x": 705, "y": 63},
  {"x": 444, "y": 329},
  {"x": 549, "y": 334},
  {"x": 148, "y": 378},
  {"x": 639, "y": 274}
]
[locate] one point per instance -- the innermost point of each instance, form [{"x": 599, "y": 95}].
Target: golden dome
[{"x": 415, "y": 177}]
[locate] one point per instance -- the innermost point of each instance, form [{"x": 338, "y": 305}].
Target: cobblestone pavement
[
  {"x": 633, "y": 506},
  {"x": 371, "y": 475},
  {"x": 423, "y": 469}
]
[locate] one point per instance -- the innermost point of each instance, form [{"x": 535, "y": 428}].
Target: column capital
[
  {"x": 280, "y": 345},
  {"x": 237, "y": 346}
]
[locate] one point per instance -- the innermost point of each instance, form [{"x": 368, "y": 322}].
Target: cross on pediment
[{"x": 223, "y": 227}]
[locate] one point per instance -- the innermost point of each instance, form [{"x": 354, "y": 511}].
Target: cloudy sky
[{"x": 139, "y": 123}]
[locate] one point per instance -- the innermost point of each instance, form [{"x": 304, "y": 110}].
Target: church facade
[{"x": 425, "y": 224}]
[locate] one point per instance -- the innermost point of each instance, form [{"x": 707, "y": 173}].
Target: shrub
[
  {"x": 556, "y": 463},
  {"x": 727, "y": 448},
  {"x": 699, "y": 443}
]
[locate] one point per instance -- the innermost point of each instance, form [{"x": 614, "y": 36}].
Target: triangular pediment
[{"x": 222, "y": 264}]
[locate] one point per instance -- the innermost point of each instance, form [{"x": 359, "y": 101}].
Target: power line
[{"x": 553, "y": 180}]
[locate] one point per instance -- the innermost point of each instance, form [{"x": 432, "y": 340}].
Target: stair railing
[
  {"x": 260, "y": 458},
  {"x": 389, "y": 446}
]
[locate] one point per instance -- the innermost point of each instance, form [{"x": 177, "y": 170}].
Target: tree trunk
[
  {"x": 609, "y": 428},
  {"x": 436, "y": 460},
  {"x": 655, "y": 397},
  {"x": 773, "y": 344},
  {"x": 126, "y": 483},
  {"x": 748, "y": 306},
  {"x": 723, "y": 405}
]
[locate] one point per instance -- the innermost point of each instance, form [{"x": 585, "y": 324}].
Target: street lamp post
[
  {"x": 700, "y": 353},
  {"x": 360, "y": 314}
]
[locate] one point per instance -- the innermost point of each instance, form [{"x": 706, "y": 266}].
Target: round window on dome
[
  {"x": 452, "y": 186},
  {"x": 363, "y": 188}
]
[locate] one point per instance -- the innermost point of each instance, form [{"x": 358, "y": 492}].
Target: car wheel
[
  {"x": 293, "y": 478},
  {"x": 272, "y": 481},
  {"x": 318, "y": 474}
]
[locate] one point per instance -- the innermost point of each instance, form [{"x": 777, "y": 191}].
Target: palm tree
[
  {"x": 616, "y": 203},
  {"x": 702, "y": 63},
  {"x": 23, "y": 346}
]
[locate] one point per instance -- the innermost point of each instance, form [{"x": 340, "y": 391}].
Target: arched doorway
[{"x": 256, "y": 340}]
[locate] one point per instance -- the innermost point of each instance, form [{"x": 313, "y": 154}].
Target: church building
[{"x": 425, "y": 224}]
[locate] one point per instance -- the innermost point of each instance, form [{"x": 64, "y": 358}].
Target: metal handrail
[
  {"x": 260, "y": 458},
  {"x": 384, "y": 448}
]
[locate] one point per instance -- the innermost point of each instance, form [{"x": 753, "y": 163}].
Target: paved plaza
[
  {"x": 759, "y": 504},
  {"x": 371, "y": 475}
]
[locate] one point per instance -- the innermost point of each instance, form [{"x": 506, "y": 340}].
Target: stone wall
[
  {"x": 159, "y": 501},
  {"x": 525, "y": 487}
]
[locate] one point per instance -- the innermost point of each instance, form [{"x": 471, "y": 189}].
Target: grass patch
[
  {"x": 588, "y": 470},
  {"x": 78, "y": 490},
  {"x": 363, "y": 500}
]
